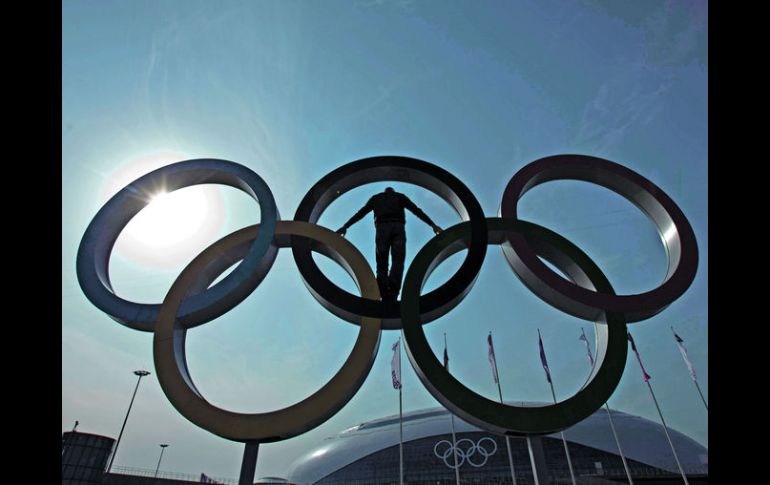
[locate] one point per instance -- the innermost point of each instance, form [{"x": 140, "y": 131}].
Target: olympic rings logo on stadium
[
  {"x": 467, "y": 454},
  {"x": 192, "y": 300}
]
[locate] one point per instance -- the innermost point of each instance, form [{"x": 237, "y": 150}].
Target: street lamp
[
  {"x": 140, "y": 373},
  {"x": 162, "y": 449}
]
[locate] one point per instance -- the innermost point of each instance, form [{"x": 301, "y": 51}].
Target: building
[
  {"x": 84, "y": 457},
  {"x": 369, "y": 453},
  {"x": 84, "y": 462}
]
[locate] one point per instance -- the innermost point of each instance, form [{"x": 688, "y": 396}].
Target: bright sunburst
[
  {"x": 169, "y": 219},
  {"x": 174, "y": 226}
]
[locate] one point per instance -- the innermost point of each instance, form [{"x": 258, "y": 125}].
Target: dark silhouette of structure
[
  {"x": 84, "y": 457},
  {"x": 389, "y": 219}
]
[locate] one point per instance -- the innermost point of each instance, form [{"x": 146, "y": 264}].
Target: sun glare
[
  {"x": 174, "y": 226},
  {"x": 169, "y": 219}
]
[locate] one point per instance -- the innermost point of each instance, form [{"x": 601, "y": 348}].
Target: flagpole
[
  {"x": 665, "y": 429},
  {"x": 689, "y": 367},
  {"x": 663, "y": 421},
  {"x": 452, "y": 419},
  {"x": 507, "y": 438},
  {"x": 454, "y": 449},
  {"x": 401, "y": 439},
  {"x": 564, "y": 440},
  {"x": 400, "y": 420},
  {"x": 553, "y": 393},
  {"x": 701, "y": 394},
  {"x": 607, "y": 407},
  {"x": 622, "y": 456}
]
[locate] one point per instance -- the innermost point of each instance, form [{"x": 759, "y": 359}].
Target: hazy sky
[{"x": 294, "y": 89}]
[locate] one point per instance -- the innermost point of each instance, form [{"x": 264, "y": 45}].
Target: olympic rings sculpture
[
  {"x": 462, "y": 456},
  {"x": 191, "y": 301}
]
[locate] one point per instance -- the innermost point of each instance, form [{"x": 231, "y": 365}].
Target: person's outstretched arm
[
  {"x": 408, "y": 204},
  {"x": 368, "y": 207}
]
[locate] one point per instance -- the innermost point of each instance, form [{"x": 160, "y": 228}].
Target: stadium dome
[{"x": 369, "y": 452}]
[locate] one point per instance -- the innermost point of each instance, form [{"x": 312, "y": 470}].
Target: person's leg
[
  {"x": 382, "y": 250},
  {"x": 398, "y": 254}
]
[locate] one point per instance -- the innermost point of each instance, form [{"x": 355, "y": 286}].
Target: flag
[
  {"x": 446, "y": 358},
  {"x": 680, "y": 343},
  {"x": 633, "y": 347},
  {"x": 588, "y": 347},
  {"x": 395, "y": 365},
  {"x": 492, "y": 359},
  {"x": 542, "y": 357}
]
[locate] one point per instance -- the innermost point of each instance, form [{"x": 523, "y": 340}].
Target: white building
[{"x": 368, "y": 453}]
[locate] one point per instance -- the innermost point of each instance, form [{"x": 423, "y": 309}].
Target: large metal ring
[
  {"x": 674, "y": 228},
  {"x": 402, "y": 169},
  {"x": 611, "y": 347},
  {"x": 169, "y": 341},
  {"x": 96, "y": 246}
]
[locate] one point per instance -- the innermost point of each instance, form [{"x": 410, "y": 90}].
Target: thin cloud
[{"x": 616, "y": 110}]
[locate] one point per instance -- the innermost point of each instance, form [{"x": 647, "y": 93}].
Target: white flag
[
  {"x": 492, "y": 359},
  {"x": 395, "y": 365},
  {"x": 680, "y": 343},
  {"x": 588, "y": 347}
]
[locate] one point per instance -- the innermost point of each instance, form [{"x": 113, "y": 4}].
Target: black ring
[{"x": 433, "y": 305}]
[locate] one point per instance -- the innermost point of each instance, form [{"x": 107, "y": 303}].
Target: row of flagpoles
[{"x": 396, "y": 377}]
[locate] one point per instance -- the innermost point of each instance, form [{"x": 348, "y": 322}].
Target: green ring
[{"x": 611, "y": 348}]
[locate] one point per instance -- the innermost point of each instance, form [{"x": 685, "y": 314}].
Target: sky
[{"x": 295, "y": 89}]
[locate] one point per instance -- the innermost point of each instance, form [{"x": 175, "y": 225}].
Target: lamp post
[
  {"x": 140, "y": 373},
  {"x": 162, "y": 449}
]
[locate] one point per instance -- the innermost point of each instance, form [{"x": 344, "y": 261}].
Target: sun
[
  {"x": 169, "y": 219},
  {"x": 175, "y": 225}
]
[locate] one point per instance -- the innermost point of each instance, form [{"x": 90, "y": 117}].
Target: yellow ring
[{"x": 169, "y": 344}]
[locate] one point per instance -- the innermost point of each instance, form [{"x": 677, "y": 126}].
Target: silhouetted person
[{"x": 389, "y": 220}]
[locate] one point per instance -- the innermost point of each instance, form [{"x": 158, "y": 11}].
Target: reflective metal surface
[
  {"x": 611, "y": 346},
  {"x": 93, "y": 257},
  {"x": 169, "y": 342},
  {"x": 673, "y": 227},
  {"x": 399, "y": 169}
]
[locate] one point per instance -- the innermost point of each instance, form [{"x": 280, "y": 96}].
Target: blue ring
[{"x": 202, "y": 305}]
